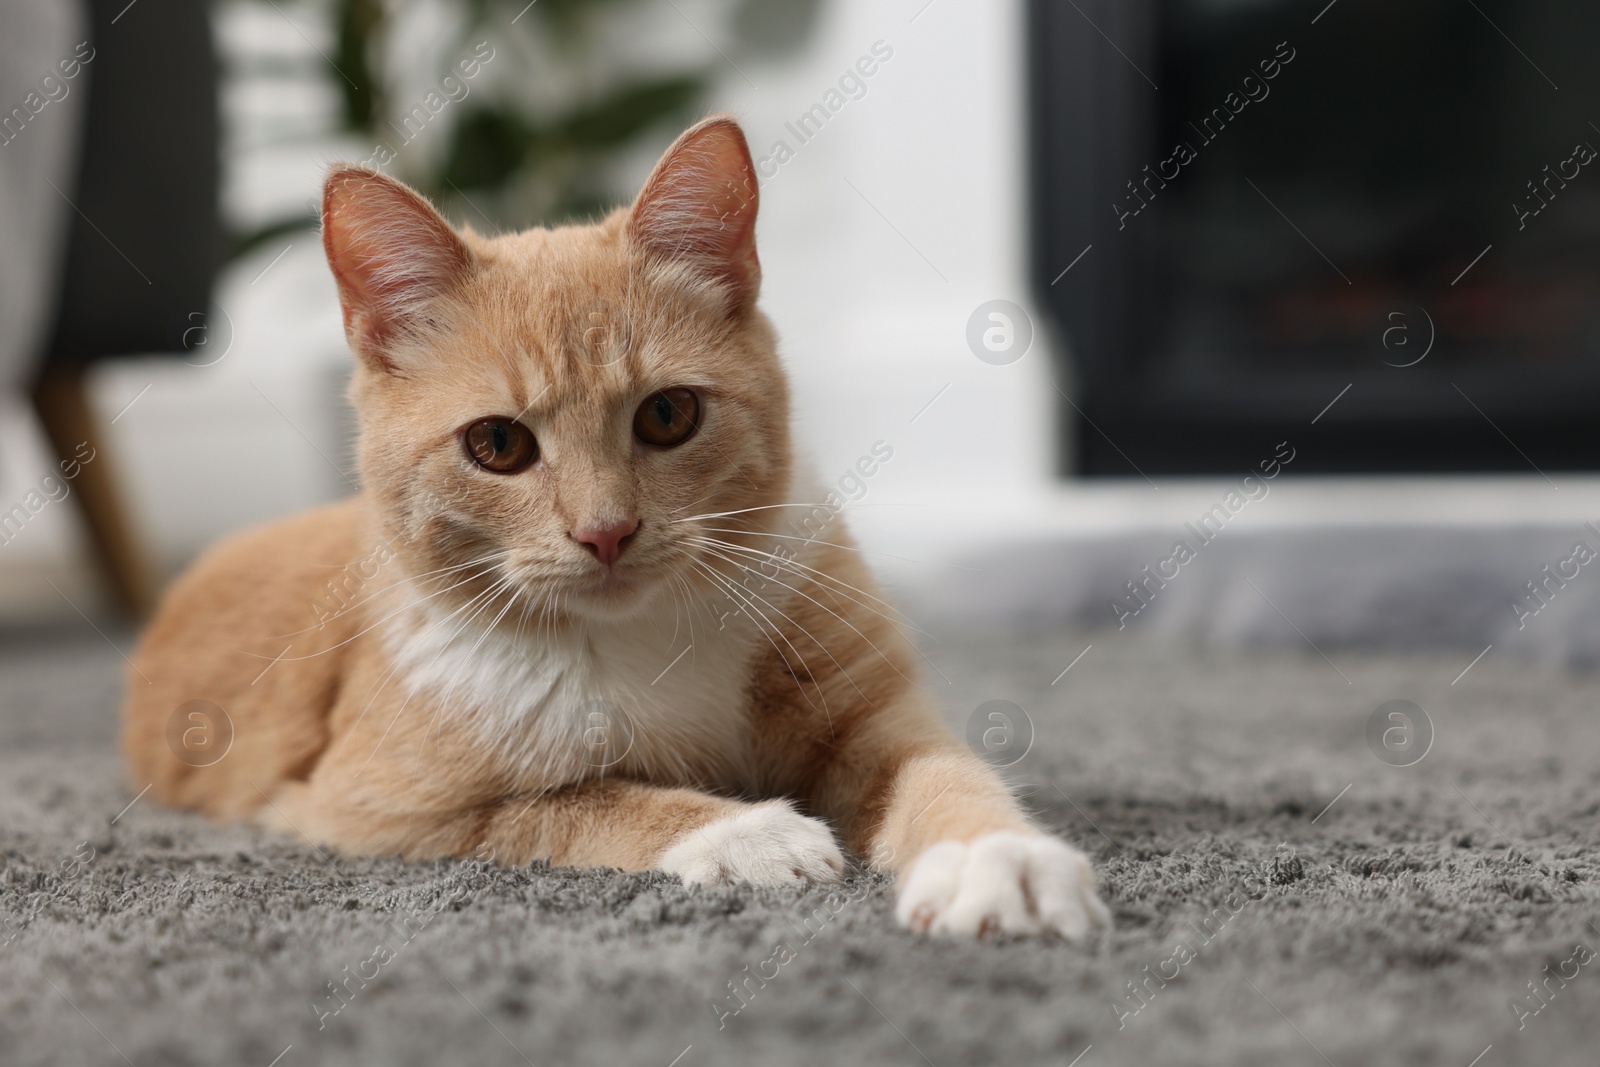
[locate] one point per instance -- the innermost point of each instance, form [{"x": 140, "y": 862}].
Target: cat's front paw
[
  {"x": 767, "y": 844},
  {"x": 1013, "y": 883}
]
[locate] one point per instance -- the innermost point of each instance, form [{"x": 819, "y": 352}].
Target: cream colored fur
[{"x": 489, "y": 685}]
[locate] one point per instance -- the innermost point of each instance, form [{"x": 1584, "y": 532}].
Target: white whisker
[
  {"x": 743, "y": 511},
  {"x": 729, "y": 585},
  {"x": 814, "y": 641},
  {"x": 814, "y": 541},
  {"x": 443, "y": 700},
  {"x": 379, "y": 622},
  {"x": 413, "y": 692},
  {"x": 401, "y": 580},
  {"x": 844, "y": 588}
]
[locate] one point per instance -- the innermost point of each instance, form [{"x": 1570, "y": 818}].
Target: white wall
[{"x": 883, "y": 234}]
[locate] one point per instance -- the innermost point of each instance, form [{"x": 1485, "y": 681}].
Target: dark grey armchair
[{"x": 143, "y": 239}]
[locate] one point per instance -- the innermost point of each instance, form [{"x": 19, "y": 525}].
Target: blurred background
[{"x": 1091, "y": 269}]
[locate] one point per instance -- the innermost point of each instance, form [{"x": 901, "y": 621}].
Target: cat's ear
[
  {"x": 699, "y": 207},
  {"x": 392, "y": 256}
]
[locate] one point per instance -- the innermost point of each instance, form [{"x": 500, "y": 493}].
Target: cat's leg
[
  {"x": 909, "y": 797},
  {"x": 706, "y": 840}
]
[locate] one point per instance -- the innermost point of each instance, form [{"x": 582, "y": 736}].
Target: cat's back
[{"x": 240, "y": 664}]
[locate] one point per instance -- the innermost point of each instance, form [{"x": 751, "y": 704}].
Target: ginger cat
[{"x": 596, "y": 616}]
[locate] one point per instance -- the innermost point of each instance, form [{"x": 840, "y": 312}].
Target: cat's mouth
[
  {"x": 612, "y": 585},
  {"x": 614, "y": 592},
  {"x": 615, "y": 588}
]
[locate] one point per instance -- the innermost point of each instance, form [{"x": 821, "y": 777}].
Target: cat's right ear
[
  {"x": 698, "y": 207},
  {"x": 391, "y": 254}
]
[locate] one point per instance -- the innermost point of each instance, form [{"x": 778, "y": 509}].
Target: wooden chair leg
[{"x": 62, "y": 402}]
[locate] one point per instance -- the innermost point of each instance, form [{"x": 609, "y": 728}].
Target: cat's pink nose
[{"x": 607, "y": 542}]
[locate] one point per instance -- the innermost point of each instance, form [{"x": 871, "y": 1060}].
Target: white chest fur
[{"x": 661, "y": 696}]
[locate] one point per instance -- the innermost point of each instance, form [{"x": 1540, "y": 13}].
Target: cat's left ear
[
  {"x": 699, "y": 207},
  {"x": 391, "y": 254}
]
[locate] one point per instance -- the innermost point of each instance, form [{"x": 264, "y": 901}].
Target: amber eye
[
  {"x": 502, "y": 445},
  {"x": 669, "y": 418}
]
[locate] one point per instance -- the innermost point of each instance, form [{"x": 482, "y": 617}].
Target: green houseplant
[{"x": 537, "y": 134}]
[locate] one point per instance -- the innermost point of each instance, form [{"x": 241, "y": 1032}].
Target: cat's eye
[
  {"x": 668, "y": 418},
  {"x": 499, "y": 444}
]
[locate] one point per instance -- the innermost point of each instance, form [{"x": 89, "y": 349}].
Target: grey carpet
[{"x": 1394, "y": 927}]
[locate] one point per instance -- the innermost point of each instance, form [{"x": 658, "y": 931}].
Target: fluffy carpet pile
[{"x": 1282, "y": 894}]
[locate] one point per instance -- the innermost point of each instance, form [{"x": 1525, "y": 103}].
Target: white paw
[
  {"x": 767, "y": 844},
  {"x": 1014, "y": 883}
]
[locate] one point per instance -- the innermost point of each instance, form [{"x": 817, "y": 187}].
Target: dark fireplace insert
[{"x": 1370, "y": 229}]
